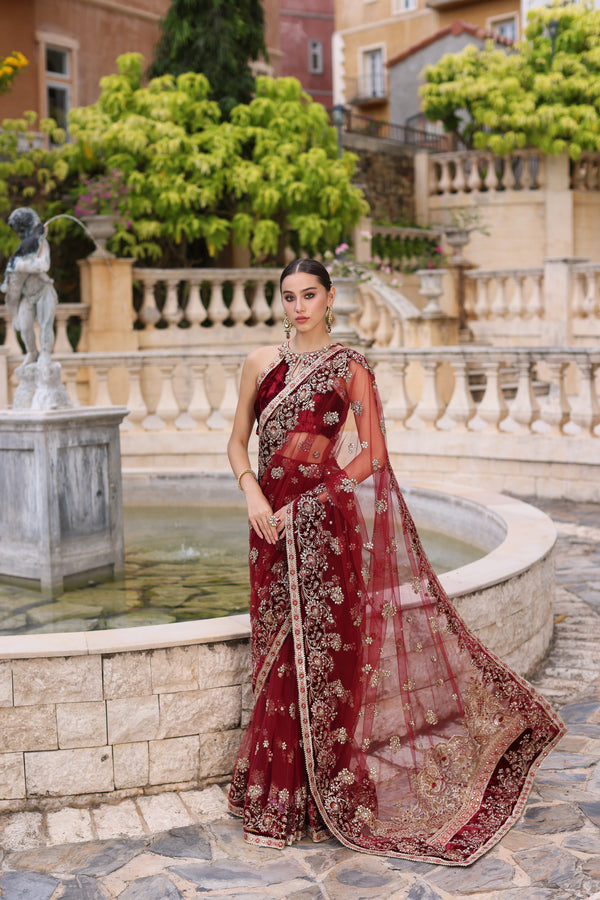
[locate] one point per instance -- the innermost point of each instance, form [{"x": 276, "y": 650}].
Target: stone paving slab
[{"x": 179, "y": 846}]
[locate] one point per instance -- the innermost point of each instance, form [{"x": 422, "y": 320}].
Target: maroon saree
[{"x": 379, "y": 717}]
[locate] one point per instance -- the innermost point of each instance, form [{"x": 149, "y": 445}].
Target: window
[
  {"x": 315, "y": 57},
  {"x": 57, "y": 85},
  {"x": 505, "y": 26},
  {"x": 57, "y": 55},
  {"x": 373, "y": 80},
  {"x": 402, "y": 6}
]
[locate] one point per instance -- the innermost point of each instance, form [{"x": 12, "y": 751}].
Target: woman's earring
[
  {"x": 329, "y": 319},
  {"x": 287, "y": 327}
]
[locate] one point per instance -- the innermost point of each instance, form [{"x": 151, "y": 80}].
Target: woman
[{"x": 378, "y": 717}]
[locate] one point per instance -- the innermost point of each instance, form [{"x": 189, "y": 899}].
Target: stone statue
[{"x": 30, "y": 294}]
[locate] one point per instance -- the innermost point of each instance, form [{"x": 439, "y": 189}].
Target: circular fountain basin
[{"x": 130, "y": 710}]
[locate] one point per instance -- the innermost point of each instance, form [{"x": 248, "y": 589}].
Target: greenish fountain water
[{"x": 180, "y": 564}]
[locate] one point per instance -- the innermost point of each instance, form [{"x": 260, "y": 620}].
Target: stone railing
[
  {"x": 506, "y": 293},
  {"x": 191, "y": 306},
  {"x": 585, "y": 172},
  {"x": 471, "y": 170},
  {"x": 66, "y": 313},
  {"x": 198, "y": 390},
  {"x": 585, "y": 293}
]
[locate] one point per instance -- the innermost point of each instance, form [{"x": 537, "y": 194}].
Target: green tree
[
  {"x": 529, "y": 96},
  {"x": 268, "y": 178},
  {"x": 216, "y": 37}
]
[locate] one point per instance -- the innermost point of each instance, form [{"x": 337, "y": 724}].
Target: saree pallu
[{"x": 379, "y": 717}]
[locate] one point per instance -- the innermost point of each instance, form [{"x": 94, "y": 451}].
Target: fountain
[{"x": 60, "y": 467}]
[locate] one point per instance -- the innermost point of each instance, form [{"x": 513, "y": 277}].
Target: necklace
[{"x": 297, "y": 361}]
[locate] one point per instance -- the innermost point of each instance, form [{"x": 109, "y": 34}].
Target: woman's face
[{"x": 305, "y": 301}]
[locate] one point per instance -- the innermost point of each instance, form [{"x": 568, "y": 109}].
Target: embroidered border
[{"x": 272, "y": 654}]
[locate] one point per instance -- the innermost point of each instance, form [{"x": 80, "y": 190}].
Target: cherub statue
[
  {"x": 30, "y": 294},
  {"x": 29, "y": 289}
]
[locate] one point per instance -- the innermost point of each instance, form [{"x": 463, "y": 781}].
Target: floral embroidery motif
[
  {"x": 357, "y": 408},
  {"x": 330, "y": 418}
]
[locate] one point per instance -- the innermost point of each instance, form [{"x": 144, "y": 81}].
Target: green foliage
[
  {"x": 216, "y": 37},
  {"x": 270, "y": 177},
  {"x": 526, "y": 97}
]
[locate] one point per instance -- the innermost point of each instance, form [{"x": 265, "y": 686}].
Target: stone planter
[
  {"x": 431, "y": 289},
  {"x": 458, "y": 238},
  {"x": 100, "y": 228}
]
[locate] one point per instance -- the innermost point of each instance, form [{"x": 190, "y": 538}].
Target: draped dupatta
[{"x": 379, "y": 717}]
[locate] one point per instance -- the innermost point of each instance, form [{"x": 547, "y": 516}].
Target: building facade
[
  {"x": 306, "y": 31},
  {"x": 72, "y": 44},
  {"x": 371, "y": 33}
]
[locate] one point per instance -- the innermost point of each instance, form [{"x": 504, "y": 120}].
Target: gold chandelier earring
[
  {"x": 287, "y": 327},
  {"x": 329, "y": 319}
]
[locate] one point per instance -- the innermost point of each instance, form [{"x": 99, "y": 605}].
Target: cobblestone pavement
[{"x": 184, "y": 845}]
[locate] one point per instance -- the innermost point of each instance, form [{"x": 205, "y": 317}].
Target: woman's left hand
[{"x": 280, "y": 516}]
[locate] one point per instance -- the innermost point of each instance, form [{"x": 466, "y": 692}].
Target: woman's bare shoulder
[{"x": 260, "y": 359}]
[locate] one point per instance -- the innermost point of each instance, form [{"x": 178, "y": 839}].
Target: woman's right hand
[{"x": 259, "y": 513}]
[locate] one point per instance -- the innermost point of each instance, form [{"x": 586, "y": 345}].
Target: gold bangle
[{"x": 241, "y": 475}]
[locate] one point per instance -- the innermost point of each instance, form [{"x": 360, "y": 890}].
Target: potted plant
[{"x": 100, "y": 201}]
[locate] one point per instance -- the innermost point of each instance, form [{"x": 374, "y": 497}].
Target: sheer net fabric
[{"x": 379, "y": 717}]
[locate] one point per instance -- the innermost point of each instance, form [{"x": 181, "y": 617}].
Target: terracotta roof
[{"x": 457, "y": 27}]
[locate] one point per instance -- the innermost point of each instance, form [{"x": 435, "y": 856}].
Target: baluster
[
  {"x": 434, "y": 181},
  {"x": 11, "y": 341},
  {"x": 445, "y": 182},
  {"x": 509, "y": 179},
  {"x": 527, "y": 180},
  {"x": 541, "y": 171},
  {"x": 61, "y": 341},
  {"x": 135, "y": 401},
  {"x": 69, "y": 371},
  {"x": 172, "y": 312},
  {"x": 398, "y": 408},
  {"x": 199, "y": 408},
  {"x": 482, "y": 304},
  {"x": 167, "y": 408},
  {"x": 217, "y": 311},
  {"x": 223, "y": 416},
  {"x": 596, "y": 307},
  {"x": 554, "y": 411},
  {"x": 239, "y": 310},
  {"x": 577, "y": 174},
  {"x": 385, "y": 327},
  {"x": 516, "y": 306},
  {"x": 149, "y": 312},
  {"x": 369, "y": 315},
  {"x": 524, "y": 409},
  {"x": 579, "y": 294},
  {"x": 470, "y": 297},
  {"x": 491, "y": 179},
  {"x": 103, "y": 397},
  {"x": 585, "y": 411},
  {"x": 498, "y": 308},
  {"x": 535, "y": 304},
  {"x": 492, "y": 408},
  {"x": 591, "y": 174},
  {"x": 461, "y": 406},
  {"x": 459, "y": 184},
  {"x": 195, "y": 311},
  {"x": 474, "y": 180},
  {"x": 260, "y": 308},
  {"x": 588, "y": 306},
  {"x": 430, "y": 407}
]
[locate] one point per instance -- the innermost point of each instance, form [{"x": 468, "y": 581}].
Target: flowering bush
[
  {"x": 9, "y": 67},
  {"x": 392, "y": 254},
  {"x": 102, "y": 195}
]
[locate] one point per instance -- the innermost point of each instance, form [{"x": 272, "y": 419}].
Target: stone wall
[
  {"x": 121, "y": 723},
  {"x": 385, "y": 172}
]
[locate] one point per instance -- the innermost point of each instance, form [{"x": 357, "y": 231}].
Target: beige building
[{"x": 371, "y": 33}]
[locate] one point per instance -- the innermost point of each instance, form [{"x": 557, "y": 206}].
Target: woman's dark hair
[{"x": 311, "y": 267}]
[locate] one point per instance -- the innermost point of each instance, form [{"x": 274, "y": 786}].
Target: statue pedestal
[{"x": 60, "y": 490}]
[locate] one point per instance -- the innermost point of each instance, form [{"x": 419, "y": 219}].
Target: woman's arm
[{"x": 259, "y": 508}]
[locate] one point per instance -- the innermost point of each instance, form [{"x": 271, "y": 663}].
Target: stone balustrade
[
  {"x": 66, "y": 313},
  {"x": 207, "y": 306},
  {"x": 469, "y": 171},
  {"x": 585, "y": 172},
  {"x": 536, "y": 390},
  {"x": 505, "y": 293}
]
